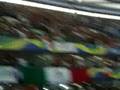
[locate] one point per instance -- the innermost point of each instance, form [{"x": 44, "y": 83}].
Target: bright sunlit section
[
  {"x": 110, "y": 5},
  {"x": 64, "y": 86},
  {"x": 77, "y": 85},
  {"x": 61, "y": 9},
  {"x": 44, "y": 88},
  {"x": 92, "y": 1}
]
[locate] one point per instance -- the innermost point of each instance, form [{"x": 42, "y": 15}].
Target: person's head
[
  {"x": 57, "y": 60},
  {"x": 22, "y": 62},
  {"x": 31, "y": 87},
  {"x": 46, "y": 37}
]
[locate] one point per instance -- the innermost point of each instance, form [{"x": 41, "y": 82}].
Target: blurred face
[
  {"x": 46, "y": 37},
  {"x": 70, "y": 60},
  {"x": 57, "y": 60}
]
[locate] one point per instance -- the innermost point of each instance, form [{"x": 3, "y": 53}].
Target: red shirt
[{"x": 80, "y": 75}]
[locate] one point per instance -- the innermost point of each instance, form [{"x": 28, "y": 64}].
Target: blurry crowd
[
  {"x": 58, "y": 72},
  {"x": 95, "y": 67}
]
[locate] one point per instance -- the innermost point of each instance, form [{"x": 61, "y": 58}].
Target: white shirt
[{"x": 9, "y": 74}]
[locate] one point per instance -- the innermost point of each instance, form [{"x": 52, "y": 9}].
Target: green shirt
[{"x": 33, "y": 75}]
